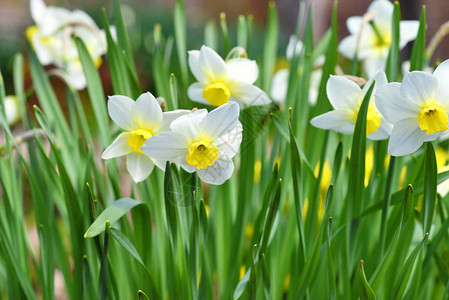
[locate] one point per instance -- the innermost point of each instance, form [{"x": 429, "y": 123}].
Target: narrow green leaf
[
  {"x": 393, "y": 57},
  {"x": 365, "y": 291},
  {"x": 224, "y": 33},
  {"x": 419, "y": 45},
  {"x": 430, "y": 187},
  {"x": 331, "y": 270},
  {"x": 122, "y": 37},
  {"x": 112, "y": 213},
  {"x": 406, "y": 271},
  {"x": 142, "y": 295},
  {"x": 211, "y": 34},
  {"x": 103, "y": 291},
  {"x": 296, "y": 175},
  {"x": 242, "y": 32},
  {"x": 95, "y": 90},
  {"x": 126, "y": 244},
  {"x": 357, "y": 161},
  {"x": 181, "y": 39},
  {"x": 270, "y": 45}
]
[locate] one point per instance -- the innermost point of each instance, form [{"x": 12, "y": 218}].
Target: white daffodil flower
[
  {"x": 51, "y": 38},
  {"x": 418, "y": 108},
  {"x": 141, "y": 119},
  {"x": 202, "y": 142},
  {"x": 346, "y": 97},
  {"x": 375, "y": 38},
  {"x": 221, "y": 82},
  {"x": 279, "y": 84},
  {"x": 12, "y": 109}
]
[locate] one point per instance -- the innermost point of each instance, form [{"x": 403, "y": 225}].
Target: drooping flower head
[
  {"x": 220, "y": 82},
  {"x": 202, "y": 142},
  {"x": 375, "y": 38},
  {"x": 52, "y": 39},
  {"x": 418, "y": 108},
  {"x": 141, "y": 119},
  {"x": 346, "y": 97},
  {"x": 279, "y": 83}
]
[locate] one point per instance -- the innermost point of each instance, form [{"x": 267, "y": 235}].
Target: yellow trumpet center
[
  {"x": 373, "y": 119},
  {"x": 433, "y": 118},
  {"x": 217, "y": 93},
  {"x": 202, "y": 155},
  {"x": 138, "y": 138}
]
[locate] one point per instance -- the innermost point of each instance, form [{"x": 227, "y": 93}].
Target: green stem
[
  {"x": 379, "y": 36},
  {"x": 386, "y": 203}
]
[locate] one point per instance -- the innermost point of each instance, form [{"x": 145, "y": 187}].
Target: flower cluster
[
  {"x": 198, "y": 140},
  {"x": 52, "y": 40},
  {"x": 194, "y": 140}
]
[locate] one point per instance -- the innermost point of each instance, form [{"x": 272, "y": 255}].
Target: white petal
[
  {"x": 383, "y": 132},
  {"x": 441, "y": 73},
  {"x": 43, "y": 53},
  {"x": 119, "y": 147},
  {"x": 146, "y": 111},
  {"x": 53, "y": 19},
  {"x": 383, "y": 9},
  {"x": 167, "y": 118},
  {"x": 189, "y": 125},
  {"x": 139, "y": 166},
  {"x": 347, "y": 46},
  {"x": 12, "y": 109},
  {"x": 373, "y": 64},
  {"x": 242, "y": 69},
  {"x": 119, "y": 108},
  {"x": 166, "y": 146},
  {"x": 220, "y": 120},
  {"x": 408, "y": 31},
  {"x": 406, "y": 137},
  {"x": 418, "y": 86},
  {"x": 75, "y": 76},
  {"x": 292, "y": 43},
  {"x": 230, "y": 142},
  {"x": 392, "y": 105},
  {"x": 37, "y": 8},
  {"x": 279, "y": 86},
  {"x": 219, "y": 172},
  {"x": 343, "y": 93},
  {"x": 248, "y": 94},
  {"x": 195, "y": 93},
  {"x": 194, "y": 56},
  {"x": 340, "y": 120},
  {"x": 354, "y": 24},
  {"x": 212, "y": 65}
]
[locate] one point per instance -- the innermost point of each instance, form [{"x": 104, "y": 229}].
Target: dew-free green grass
[{"x": 307, "y": 213}]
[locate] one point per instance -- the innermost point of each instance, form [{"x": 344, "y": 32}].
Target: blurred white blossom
[
  {"x": 375, "y": 38},
  {"x": 52, "y": 39}
]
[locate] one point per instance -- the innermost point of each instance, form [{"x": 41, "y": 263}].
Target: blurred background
[{"x": 141, "y": 16}]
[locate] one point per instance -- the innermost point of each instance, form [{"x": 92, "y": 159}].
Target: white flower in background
[
  {"x": 405, "y": 67},
  {"x": 375, "y": 39},
  {"x": 52, "y": 39},
  {"x": 279, "y": 83},
  {"x": 221, "y": 82},
  {"x": 202, "y": 142},
  {"x": 141, "y": 119},
  {"x": 346, "y": 97},
  {"x": 418, "y": 108},
  {"x": 12, "y": 109}
]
